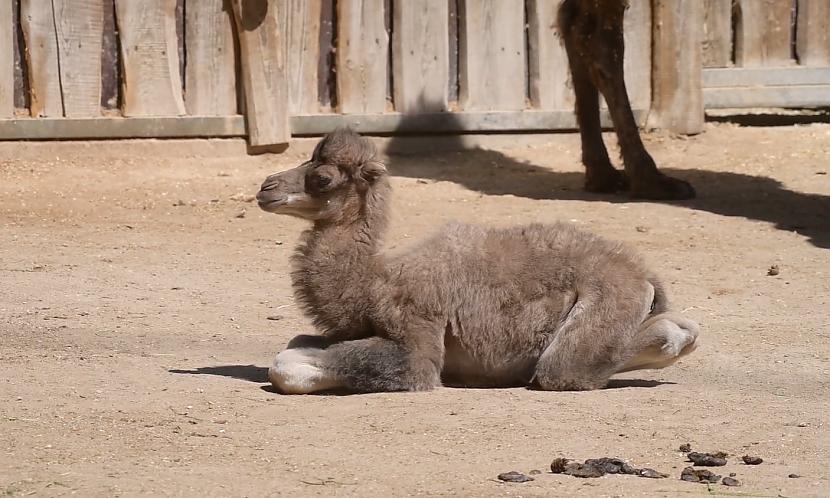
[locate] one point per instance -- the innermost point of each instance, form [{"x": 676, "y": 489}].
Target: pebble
[
  {"x": 752, "y": 460},
  {"x": 514, "y": 476}
]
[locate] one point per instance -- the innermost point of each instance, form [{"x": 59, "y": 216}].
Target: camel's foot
[
  {"x": 661, "y": 187},
  {"x": 605, "y": 180},
  {"x": 671, "y": 337}
]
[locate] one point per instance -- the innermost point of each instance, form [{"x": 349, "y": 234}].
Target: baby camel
[{"x": 542, "y": 305}]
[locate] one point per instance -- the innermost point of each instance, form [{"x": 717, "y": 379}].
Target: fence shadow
[{"x": 725, "y": 193}]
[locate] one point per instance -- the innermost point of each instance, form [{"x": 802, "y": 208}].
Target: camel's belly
[{"x": 462, "y": 369}]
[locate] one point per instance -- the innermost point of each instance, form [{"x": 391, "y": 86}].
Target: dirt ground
[{"x": 142, "y": 296}]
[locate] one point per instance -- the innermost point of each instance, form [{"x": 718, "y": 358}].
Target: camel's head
[{"x": 332, "y": 183}]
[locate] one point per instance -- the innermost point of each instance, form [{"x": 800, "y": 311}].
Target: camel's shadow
[
  {"x": 259, "y": 375},
  {"x": 725, "y": 193},
  {"x": 493, "y": 173}
]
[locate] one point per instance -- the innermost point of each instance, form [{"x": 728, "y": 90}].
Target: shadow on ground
[
  {"x": 250, "y": 373},
  {"x": 253, "y": 373},
  {"x": 724, "y": 193}
]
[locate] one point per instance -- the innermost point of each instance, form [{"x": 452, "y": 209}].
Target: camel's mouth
[{"x": 295, "y": 204}]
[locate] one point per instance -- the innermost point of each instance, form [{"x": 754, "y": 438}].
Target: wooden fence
[
  {"x": 270, "y": 69},
  {"x": 766, "y": 53}
]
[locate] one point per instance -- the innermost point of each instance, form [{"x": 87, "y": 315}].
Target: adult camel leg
[{"x": 593, "y": 34}]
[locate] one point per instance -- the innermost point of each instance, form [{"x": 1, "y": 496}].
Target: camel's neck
[{"x": 337, "y": 264}]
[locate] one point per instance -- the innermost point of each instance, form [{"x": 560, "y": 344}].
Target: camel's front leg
[
  {"x": 410, "y": 361},
  {"x": 593, "y": 36}
]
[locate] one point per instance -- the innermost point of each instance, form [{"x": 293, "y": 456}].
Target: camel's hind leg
[{"x": 600, "y": 339}]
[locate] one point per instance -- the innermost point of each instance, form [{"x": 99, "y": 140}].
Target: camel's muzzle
[{"x": 284, "y": 193}]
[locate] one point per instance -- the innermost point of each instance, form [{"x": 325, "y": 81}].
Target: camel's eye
[
  {"x": 317, "y": 182},
  {"x": 653, "y": 304}
]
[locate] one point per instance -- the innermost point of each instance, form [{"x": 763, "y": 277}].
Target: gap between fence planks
[
  {"x": 491, "y": 68},
  {"x": 151, "y": 82},
  {"x": 210, "y": 81},
  {"x": 264, "y": 80},
  {"x": 38, "y": 22},
  {"x": 762, "y": 33},
  {"x": 362, "y": 56},
  {"x": 79, "y": 28},
  {"x": 420, "y": 55},
  {"x": 813, "y": 36},
  {"x": 677, "y": 103},
  {"x": 6, "y": 60},
  {"x": 301, "y": 19}
]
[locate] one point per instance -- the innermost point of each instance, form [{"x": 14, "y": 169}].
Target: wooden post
[
  {"x": 717, "y": 33},
  {"x": 813, "y": 36},
  {"x": 677, "y": 103},
  {"x": 210, "y": 82},
  {"x": 362, "y": 56},
  {"x": 302, "y": 27},
  {"x": 262, "y": 54},
  {"x": 492, "y": 67},
  {"x": 38, "y": 23},
  {"x": 80, "y": 25},
  {"x": 762, "y": 33},
  {"x": 6, "y": 60},
  {"x": 550, "y": 87},
  {"x": 420, "y": 55},
  {"x": 152, "y": 84}
]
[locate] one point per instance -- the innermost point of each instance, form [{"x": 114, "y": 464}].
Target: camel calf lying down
[{"x": 542, "y": 305}]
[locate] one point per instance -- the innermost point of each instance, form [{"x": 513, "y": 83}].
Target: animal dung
[
  {"x": 691, "y": 474},
  {"x": 752, "y": 460},
  {"x": 729, "y": 481},
  {"x": 793, "y": 476},
  {"x": 773, "y": 270},
  {"x": 514, "y": 476},
  {"x": 685, "y": 447},
  {"x": 598, "y": 467},
  {"x": 717, "y": 459}
]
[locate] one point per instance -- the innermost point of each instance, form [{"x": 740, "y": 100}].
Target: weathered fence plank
[
  {"x": 362, "y": 56},
  {"x": 717, "y": 33},
  {"x": 210, "y": 81},
  {"x": 38, "y": 23},
  {"x": 813, "y": 35},
  {"x": 766, "y": 76},
  {"x": 767, "y": 96},
  {"x": 79, "y": 26},
  {"x": 637, "y": 63},
  {"x": 152, "y": 84},
  {"x": 420, "y": 55},
  {"x": 302, "y": 20},
  {"x": 550, "y": 82},
  {"x": 492, "y": 55},
  {"x": 762, "y": 33},
  {"x": 264, "y": 79},
  {"x": 6, "y": 60},
  {"x": 677, "y": 102}
]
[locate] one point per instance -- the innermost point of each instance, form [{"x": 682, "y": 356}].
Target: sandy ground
[{"x": 137, "y": 281}]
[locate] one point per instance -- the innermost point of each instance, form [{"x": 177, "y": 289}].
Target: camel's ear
[{"x": 372, "y": 170}]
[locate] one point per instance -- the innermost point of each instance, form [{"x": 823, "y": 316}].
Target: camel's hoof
[
  {"x": 609, "y": 182},
  {"x": 663, "y": 188}
]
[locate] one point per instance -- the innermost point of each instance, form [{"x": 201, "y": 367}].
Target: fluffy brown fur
[{"x": 543, "y": 305}]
